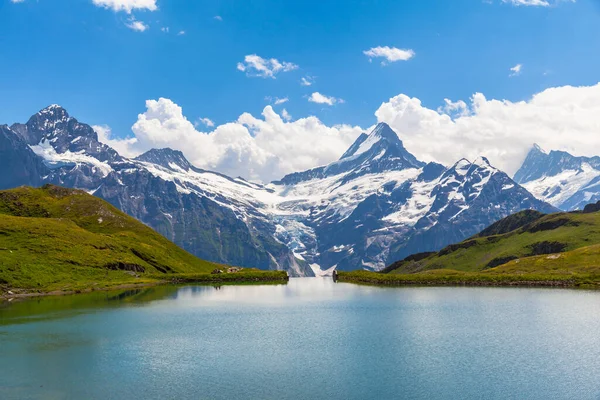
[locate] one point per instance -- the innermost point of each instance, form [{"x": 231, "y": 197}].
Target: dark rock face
[
  {"x": 121, "y": 266},
  {"x": 19, "y": 165},
  {"x": 496, "y": 262},
  {"x": 551, "y": 225},
  {"x": 591, "y": 208},
  {"x": 511, "y": 223},
  {"x": 542, "y": 248}
]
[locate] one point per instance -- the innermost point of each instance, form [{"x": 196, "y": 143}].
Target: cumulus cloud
[
  {"x": 127, "y": 5},
  {"x": 206, "y": 122},
  {"x": 262, "y": 149},
  {"x": 319, "y": 98},
  {"x": 516, "y": 70},
  {"x": 218, "y": 18},
  {"x": 306, "y": 81},
  {"x": 390, "y": 54},
  {"x": 136, "y": 25},
  {"x": 257, "y": 66},
  {"x": 562, "y": 118}
]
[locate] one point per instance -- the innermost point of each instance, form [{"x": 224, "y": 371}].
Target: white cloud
[
  {"x": 562, "y": 118},
  {"x": 319, "y": 98},
  {"x": 276, "y": 100},
  {"x": 256, "y": 148},
  {"x": 537, "y": 3},
  {"x": 454, "y": 108},
  {"x": 136, "y": 25},
  {"x": 125, "y": 147},
  {"x": 165, "y": 29},
  {"x": 205, "y": 121},
  {"x": 218, "y": 18},
  {"x": 181, "y": 33},
  {"x": 306, "y": 81},
  {"x": 127, "y": 5},
  {"x": 516, "y": 70},
  {"x": 255, "y": 65},
  {"x": 534, "y": 3},
  {"x": 17, "y": 1},
  {"x": 391, "y": 54}
]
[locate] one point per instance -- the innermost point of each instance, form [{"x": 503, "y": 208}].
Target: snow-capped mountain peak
[
  {"x": 563, "y": 180},
  {"x": 377, "y": 152},
  {"x": 382, "y": 137},
  {"x": 54, "y": 111},
  {"x": 167, "y": 158}
]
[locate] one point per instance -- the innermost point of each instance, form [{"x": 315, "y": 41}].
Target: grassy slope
[
  {"x": 62, "y": 239},
  {"x": 576, "y": 230},
  {"x": 576, "y": 264}
]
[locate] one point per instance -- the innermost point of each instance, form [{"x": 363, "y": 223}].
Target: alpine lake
[{"x": 311, "y": 338}]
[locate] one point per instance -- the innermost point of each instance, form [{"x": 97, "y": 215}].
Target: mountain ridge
[
  {"x": 565, "y": 181},
  {"x": 376, "y": 203}
]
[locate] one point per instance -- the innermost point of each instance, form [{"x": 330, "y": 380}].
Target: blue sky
[{"x": 85, "y": 57}]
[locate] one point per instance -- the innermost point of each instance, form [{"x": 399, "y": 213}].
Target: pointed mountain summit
[
  {"x": 538, "y": 164},
  {"x": 534, "y": 166},
  {"x": 381, "y": 142},
  {"x": 167, "y": 158},
  {"x": 377, "y": 152},
  {"x": 563, "y": 180},
  {"x": 52, "y": 130}
]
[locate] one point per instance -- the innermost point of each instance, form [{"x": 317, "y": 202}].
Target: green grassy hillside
[
  {"x": 54, "y": 238},
  {"x": 516, "y": 238},
  {"x": 527, "y": 248}
]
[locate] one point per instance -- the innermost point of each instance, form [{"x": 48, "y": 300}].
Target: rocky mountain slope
[
  {"x": 557, "y": 242},
  {"x": 561, "y": 179},
  {"x": 375, "y": 205}
]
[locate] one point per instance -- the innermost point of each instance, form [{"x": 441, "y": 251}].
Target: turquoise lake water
[{"x": 309, "y": 339}]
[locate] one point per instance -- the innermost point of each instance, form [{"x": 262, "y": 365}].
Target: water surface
[{"x": 310, "y": 339}]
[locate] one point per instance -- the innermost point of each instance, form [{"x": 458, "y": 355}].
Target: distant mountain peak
[
  {"x": 167, "y": 158},
  {"x": 461, "y": 166},
  {"x": 537, "y": 148},
  {"x": 382, "y": 134},
  {"x": 54, "y": 112},
  {"x": 383, "y": 130},
  {"x": 482, "y": 161}
]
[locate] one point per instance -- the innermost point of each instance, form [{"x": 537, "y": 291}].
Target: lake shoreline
[
  {"x": 250, "y": 277},
  {"x": 459, "y": 279}
]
